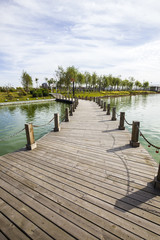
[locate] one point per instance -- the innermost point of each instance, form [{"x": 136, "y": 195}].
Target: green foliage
[
  {"x": 45, "y": 92},
  {"x": 42, "y": 92},
  {"x": 10, "y": 96},
  {"x": 21, "y": 92},
  {"x": 145, "y": 85},
  {"x": 26, "y": 81}
]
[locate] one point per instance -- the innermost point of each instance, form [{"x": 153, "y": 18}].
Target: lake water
[
  {"x": 13, "y": 118},
  {"x": 143, "y": 108}
]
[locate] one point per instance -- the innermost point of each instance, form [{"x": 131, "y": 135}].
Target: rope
[
  {"x": 141, "y": 134},
  {"x": 150, "y": 144},
  {"x": 128, "y": 122},
  {"x": 13, "y": 135},
  {"x": 44, "y": 124},
  {"x": 63, "y": 118},
  {"x": 117, "y": 114}
]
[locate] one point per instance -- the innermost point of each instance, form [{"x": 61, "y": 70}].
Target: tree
[
  {"x": 138, "y": 84},
  {"x": 105, "y": 82},
  {"x": 94, "y": 79},
  {"x": 99, "y": 81},
  {"x": 26, "y": 81},
  {"x": 60, "y": 76},
  {"x": 70, "y": 75},
  {"x": 145, "y": 85},
  {"x": 80, "y": 79},
  {"x": 50, "y": 81},
  {"x": 118, "y": 82},
  {"x": 36, "y": 80}
]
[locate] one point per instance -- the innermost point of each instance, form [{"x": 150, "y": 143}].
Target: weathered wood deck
[{"x": 84, "y": 182}]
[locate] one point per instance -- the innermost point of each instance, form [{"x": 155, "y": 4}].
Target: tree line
[{"x": 64, "y": 79}]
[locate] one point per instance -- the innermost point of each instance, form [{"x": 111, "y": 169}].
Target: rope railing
[
  {"x": 44, "y": 124},
  {"x": 130, "y": 124},
  {"x": 150, "y": 144},
  {"x": 134, "y": 124},
  {"x": 142, "y": 135},
  {"x": 63, "y": 117},
  {"x": 13, "y": 135}
]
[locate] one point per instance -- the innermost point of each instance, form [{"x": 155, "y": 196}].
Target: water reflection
[
  {"x": 143, "y": 108},
  {"x": 14, "y": 117}
]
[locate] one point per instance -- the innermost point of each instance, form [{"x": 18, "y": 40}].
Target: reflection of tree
[
  {"x": 12, "y": 108},
  {"x": 31, "y": 110}
]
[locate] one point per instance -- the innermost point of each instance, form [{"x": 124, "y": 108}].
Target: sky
[{"x": 118, "y": 37}]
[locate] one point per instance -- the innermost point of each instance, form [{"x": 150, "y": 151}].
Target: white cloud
[{"x": 107, "y": 36}]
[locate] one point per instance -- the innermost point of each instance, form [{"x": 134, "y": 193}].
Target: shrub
[
  {"x": 21, "y": 92},
  {"x": 10, "y": 96},
  {"x": 45, "y": 92},
  {"x": 34, "y": 94}
]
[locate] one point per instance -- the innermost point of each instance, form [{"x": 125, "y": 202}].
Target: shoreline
[{"x": 25, "y": 102}]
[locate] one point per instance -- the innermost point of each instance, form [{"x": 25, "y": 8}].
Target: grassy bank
[
  {"x": 5, "y": 97},
  {"x": 111, "y": 93},
  {"x": 14, "y": 96}
]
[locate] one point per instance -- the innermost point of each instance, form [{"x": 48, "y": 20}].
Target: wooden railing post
[
  {"x": 31, "y": 144},
  {"x": 121, "y": 123},
  {"x": 157, "y": 179},
  {"x": 56, "y": 122},
  {"x": 114, "y": 114},
  {"x": 101, "y": 103},
  {"x": 67, "y": 114},
  {"x": 135, "y": 134},
  {"x": 108, "y": 109},
  {"x": 104, "y": 107},
  {"x": 71, "y": 110},
  {"x": 73, "y": 107}
]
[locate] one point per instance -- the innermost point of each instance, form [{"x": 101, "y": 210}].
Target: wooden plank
[
  {"x": 30, "y": 229},
  {"x": 11, "y": 230},
  {"x": 109, "y": 214},
  {"x": 58, "y": 222}
]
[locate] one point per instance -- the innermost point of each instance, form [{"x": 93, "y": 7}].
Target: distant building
[
  {"x": 45, "y": 85},
  {"x": 155, "y": 88}
]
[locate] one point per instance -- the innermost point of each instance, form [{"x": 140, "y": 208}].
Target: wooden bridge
[{"x": 84, "y": 182}]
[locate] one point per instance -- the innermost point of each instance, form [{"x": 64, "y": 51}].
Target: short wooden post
[
  {"x": 135, "y": 134},
  {"x": 108, "y": 109},
  {"x": 73, "y": 107},
  {"x": 157, "y": 179},
  {"x": 56, "y": 122},
  {"x": 121, "y": 123},
  {"x": 67, "y": 114},
  {"x": 114, "y": 114},
  {"x": 104, "y": 107},
  {"x": 101, "y": 103},
  {"x": 31, "y": 144},
  {"x": 94, "y": 99},
  {"x": 71, "y": 110}
]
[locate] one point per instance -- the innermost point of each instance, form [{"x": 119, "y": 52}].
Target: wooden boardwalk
[{"x": 84, "y": 182}]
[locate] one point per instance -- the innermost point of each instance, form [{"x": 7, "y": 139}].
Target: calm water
[
  {"x": 145, "y": 109},
  {"x": 13, "y": 118},
  {"x": 137, "y": 108}
]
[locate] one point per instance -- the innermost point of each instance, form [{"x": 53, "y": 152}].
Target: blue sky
[{"x": 119, "y": 37}]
